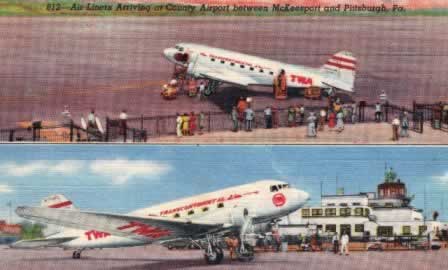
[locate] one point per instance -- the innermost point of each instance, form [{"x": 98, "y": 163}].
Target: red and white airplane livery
[
  {"x": 201, "y": 220},
  {"x": 223, "y": 66}
]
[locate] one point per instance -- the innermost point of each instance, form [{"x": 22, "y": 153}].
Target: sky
[{"x": 115, "y": 178}]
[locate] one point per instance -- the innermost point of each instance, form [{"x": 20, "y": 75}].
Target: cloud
[
  {"x": 441, "y": 178},
  {"x": 121, "y": 171},
  {"x": 5, "y": 189},
  {"x": 25, "y": 169}
]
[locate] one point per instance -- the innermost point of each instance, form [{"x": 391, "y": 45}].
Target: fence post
[
  {"x": 34, "y": 133},
  {"x": 209, "y": 121},
  {"x": 11, "y": 135},
  {"x": 141, "y": 122},
  {"x": 107, "y": 129},
  {"x": 387, "y": 112},
  {"x": 125, "y": 130},
  {"x": 71, "y": 130},
  {"x": 157, "y": 126},
  {"x": 421, "y": 121}
]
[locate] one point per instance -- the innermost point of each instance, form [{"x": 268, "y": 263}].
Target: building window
[
  {"x": 305, "y": 212},
  {"x": 388, "y": 204},
  {"x": 385, "y": 231},
  {"x": 366, "y": 212},
  {"x": 330, "y": 228},
  {"x": 345, "y": 212},
  {"x": 356, "y": 204},
  {"x": 422, "y": 229},
  {"x": 358, "y": 211},
  {"x": 406, "y": 230},
  {"x": 347, "y": 228},
  {"x": 330, "y": 212},
  {"x": 330, "y": 204},
  {"x": 359, "y": 228},
  {"x": 343, "y": 204},
  {"x": 316, "y": 212}
]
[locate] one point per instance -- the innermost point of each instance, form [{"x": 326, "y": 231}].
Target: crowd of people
[
  {"x": 188, "y": 124},
  {"x": 335, "y": 115}
]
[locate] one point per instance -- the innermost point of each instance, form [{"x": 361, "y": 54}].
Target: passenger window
[
  {"x": 176, "y": 215},
  {"x": 191, "y": 212},
  {"x": 251, "y": 68},
  {"x": 220, "y": 205},
  {"x": 213, "y": 59},
  {"x": 261, "y": 71},
  {"x": 205, "y": 209},
  {"x": 222, "y": 62},
  {"x": 274, "y": 189},
  {"x": 232, "y": 64},
  {"x": 279, "y": 187},
  {"x": 241, "y": 66},
  {"x": 272, "y": 73}
]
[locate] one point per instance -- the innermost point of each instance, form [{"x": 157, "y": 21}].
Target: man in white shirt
[
  {"x": 201, "y": 90},
  {"x": 335, "y": 241},
  {"x": 345, "y": 239}
]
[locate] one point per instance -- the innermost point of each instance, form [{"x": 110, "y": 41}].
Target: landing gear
[
  {"x": 211, "y": 87},
  {"x": 213, "y": 253},
  {"x": 245, "y": 253},
  {"x": 77, "y": 254}
]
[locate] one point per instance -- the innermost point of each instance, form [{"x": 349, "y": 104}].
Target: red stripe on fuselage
[
  {"x": 343, "y": 59},
  {"x": 340, "y": 66},
  {"x": 60, "y": 205}
]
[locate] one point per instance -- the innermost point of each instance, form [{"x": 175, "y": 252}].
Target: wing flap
[{"x": 140, "y": 228}]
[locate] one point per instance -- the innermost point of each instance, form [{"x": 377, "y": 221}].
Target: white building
[{"x": 386, "y": 213}]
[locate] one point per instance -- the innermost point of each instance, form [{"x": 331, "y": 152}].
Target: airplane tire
[
  {"x": 216, "y": 256},
  {"x": 207, "y": 92},
  {"x": 248, "y": 256}
]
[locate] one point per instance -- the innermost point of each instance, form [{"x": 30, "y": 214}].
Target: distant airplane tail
[
  {"x": 57, "y": 201},
  {"x": 339, "y": 71}
]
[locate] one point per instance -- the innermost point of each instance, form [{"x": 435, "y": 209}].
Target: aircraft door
[{"x": 191, "y": 70}]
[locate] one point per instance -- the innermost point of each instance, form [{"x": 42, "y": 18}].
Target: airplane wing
[
  {"x": 230, "y": 77},
  {"x": 140, "y": 228}
]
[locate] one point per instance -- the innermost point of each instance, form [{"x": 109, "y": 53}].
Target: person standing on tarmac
[
  {"x": 345, "y": 239},
  {"x": 234, "y": 117},
  {"x": 91, "y": 119},
  {"x": 395, "y": 128},
  {"x": 249, "y": 118},
  {"x": 335, "y": 241},
  {"x": 179, "y": 125}
]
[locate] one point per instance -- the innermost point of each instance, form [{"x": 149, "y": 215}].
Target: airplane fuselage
[{"x": 263, "y": 201}]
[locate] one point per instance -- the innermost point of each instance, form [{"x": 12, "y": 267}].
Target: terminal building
[{"x": 384, "y": 213}]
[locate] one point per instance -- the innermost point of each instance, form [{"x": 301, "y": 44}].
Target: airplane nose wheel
[
  {"x": 76, "y": 254},
  {"x": 211, "y": 87}
]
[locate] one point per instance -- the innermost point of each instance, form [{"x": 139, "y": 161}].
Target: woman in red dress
[
  {"x": 192, "y": 123},
  {"x": 331, "y": 120}
]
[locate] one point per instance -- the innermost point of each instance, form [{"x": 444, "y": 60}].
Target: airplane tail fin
[
  {"x": 339, "y": 71},
  {"x": 57, "y": 201}
]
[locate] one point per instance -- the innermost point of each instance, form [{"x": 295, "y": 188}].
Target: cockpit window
[
  {"x": 274, "y": 188},
  {"x": 179, "y": 48},
  {"x": 285, "y": 186}
]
